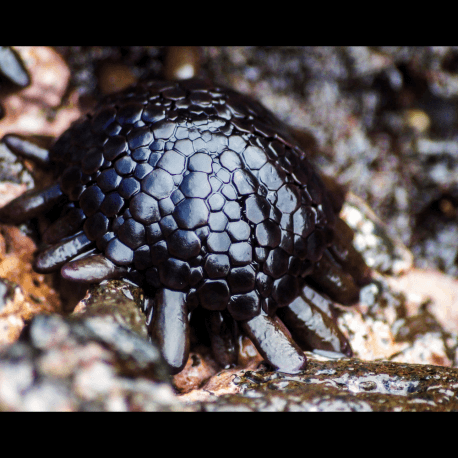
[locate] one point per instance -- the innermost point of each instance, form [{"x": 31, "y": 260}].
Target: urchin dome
[
  {"x": 176, "y": 186},
  {"x": 200, "y": 196}
]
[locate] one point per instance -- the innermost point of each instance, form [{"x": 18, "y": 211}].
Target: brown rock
[{"x": 33, "y": 109}]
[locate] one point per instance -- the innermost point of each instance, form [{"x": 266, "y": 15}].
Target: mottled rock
[
  {"x": 81, "y": 365},
  {"x": 349, "y": 385}
]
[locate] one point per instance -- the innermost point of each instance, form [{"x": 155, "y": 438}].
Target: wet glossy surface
[{"x": 200, "y": 193}]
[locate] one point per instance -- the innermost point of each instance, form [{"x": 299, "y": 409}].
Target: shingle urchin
[{"x": 199, "y": 195}]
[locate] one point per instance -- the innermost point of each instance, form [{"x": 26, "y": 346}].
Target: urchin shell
[{"x": 196, "y": 188}]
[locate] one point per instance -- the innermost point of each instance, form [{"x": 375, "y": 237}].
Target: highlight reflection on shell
[{"x": 200, "y": 195}]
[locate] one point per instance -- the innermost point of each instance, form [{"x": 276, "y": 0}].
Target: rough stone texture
[
  {"x": 84, "y": 365},
  {"x": 118, "y": 300},
  {"x": 23, "y": 292},
  {"x": 348, "y": 386},
  {"x": 33, "y": 109}
]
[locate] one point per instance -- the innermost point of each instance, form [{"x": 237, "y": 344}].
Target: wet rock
[
  {"x": 12, "y": 68},
  {"x": 198, "y": 370},
  {"x": 117, "y": 299},
  {"x": 182, "y": 62},
  {"x": 25, "y": 293},
  {"x": 80, "y": 365},
  {"x": 15, "y": 178},
  {"x": 33, "y": 110},
  {"x": 88, "y": 63},
  {"x": 12, "y": 72},
  {"x": 390, "y": 323},
  {"x": 114, "y": 77},
  {"x": 347, "y": 385},
  {"x": 380, "y": 251}
]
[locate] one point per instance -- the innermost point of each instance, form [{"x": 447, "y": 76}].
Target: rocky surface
[
  {"x": 347, "y": 386},
  {"x": 82, "y": 365},
  {"x": 384, "y": 123}
]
